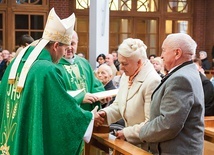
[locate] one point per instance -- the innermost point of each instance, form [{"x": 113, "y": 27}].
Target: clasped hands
[{"x": 99, "y": 117}]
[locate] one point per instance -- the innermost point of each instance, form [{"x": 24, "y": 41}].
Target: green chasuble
[
  {"x": 80, "y": 75},
  {"x": 43, "y": 119}
]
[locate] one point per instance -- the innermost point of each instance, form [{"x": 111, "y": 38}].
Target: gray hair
[
  {"x": 133, "y": 48},
  {"x": 204, "y": 53},
  {"x": 182, "y": 41},
  {"x": 107, "y": 68}
]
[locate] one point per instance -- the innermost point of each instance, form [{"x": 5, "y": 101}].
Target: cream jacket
[{"x": 133, "y": 105}]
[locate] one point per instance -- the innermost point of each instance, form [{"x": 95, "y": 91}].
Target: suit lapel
[{"x": 168, "y": 75}]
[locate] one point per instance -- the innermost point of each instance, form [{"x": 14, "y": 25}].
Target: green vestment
[
  {"x": 43, "y": 119},
  {"x": 80, "y": 75}
]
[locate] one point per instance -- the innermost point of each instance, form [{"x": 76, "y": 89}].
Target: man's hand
[
  {"x": 98, "y": 119},
  {"x": 89, "y": 98}
]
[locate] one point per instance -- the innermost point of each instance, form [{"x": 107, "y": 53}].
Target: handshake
[{"x": 99, "y": 117}]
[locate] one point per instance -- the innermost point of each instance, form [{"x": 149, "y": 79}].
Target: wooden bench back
[{"x": 102, "y": 140}]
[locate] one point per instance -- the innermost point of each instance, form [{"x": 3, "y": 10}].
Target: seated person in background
[
  {"x": 116, "y": 79},
  {"x": 104, "y": 74},
  {"x": 208, "y": 90},
  {"x": 151, "y": 57},
  {"x": 158, "y": 65},
  {"x": 137, "y": 84},
  {"x": 198, "y": 63},
  {"x": 115, "y": 57},
  {"x": 206, "y": 65},
  {"x": 24, "y": 40},
  {"x": 5, "y": 62},
  {"x": 110, "y": 62},
  {"x": 101, "y": 59}
]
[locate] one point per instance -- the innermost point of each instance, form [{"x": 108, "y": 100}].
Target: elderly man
[
  {"x": 38, "y": 116},
  {"x": 79, "y": 75},
  {"x": 132, "y": 102},
  {"x": 104, "y": 74},
  {"x": 115, "y": 57},
  {"x": 206, "y": 65},
  {"x": 110, "y": 62},
  {"x": 176, "y": 124}
]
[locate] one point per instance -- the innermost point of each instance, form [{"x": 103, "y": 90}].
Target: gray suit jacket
[{"x": 176, "y": 124}]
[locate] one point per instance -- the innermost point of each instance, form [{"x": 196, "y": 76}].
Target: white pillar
[{"x": 98, "y": 30}]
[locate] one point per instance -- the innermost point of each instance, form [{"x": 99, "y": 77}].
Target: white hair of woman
[{"x": 133, "y": 48}]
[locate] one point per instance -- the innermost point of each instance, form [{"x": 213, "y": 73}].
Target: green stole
[{"x": 79, "y": 75}]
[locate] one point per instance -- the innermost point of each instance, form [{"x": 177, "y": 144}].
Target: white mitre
[
  {"x": 59, "y": 30},
  {"x": 56, "y": 30}
]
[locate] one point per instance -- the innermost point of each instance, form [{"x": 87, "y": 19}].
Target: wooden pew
[
  {"x": 101, "y": 140},
  {"x": 209, "y": 128},
  {"x": 208, "y": 148},
  {"x": 209, "y": 135}
]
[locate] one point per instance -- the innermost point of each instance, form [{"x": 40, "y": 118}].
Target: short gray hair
[
  {"x": 204, "y": 53},
  {"x": 182, "y": 41}
]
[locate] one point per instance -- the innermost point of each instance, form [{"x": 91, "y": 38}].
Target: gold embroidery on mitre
[{"x": 57, "y": 36}]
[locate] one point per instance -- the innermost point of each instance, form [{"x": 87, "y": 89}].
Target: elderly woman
[
  {"x": 132, "y": 102},
  {"x": 104, "y": 74}
]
